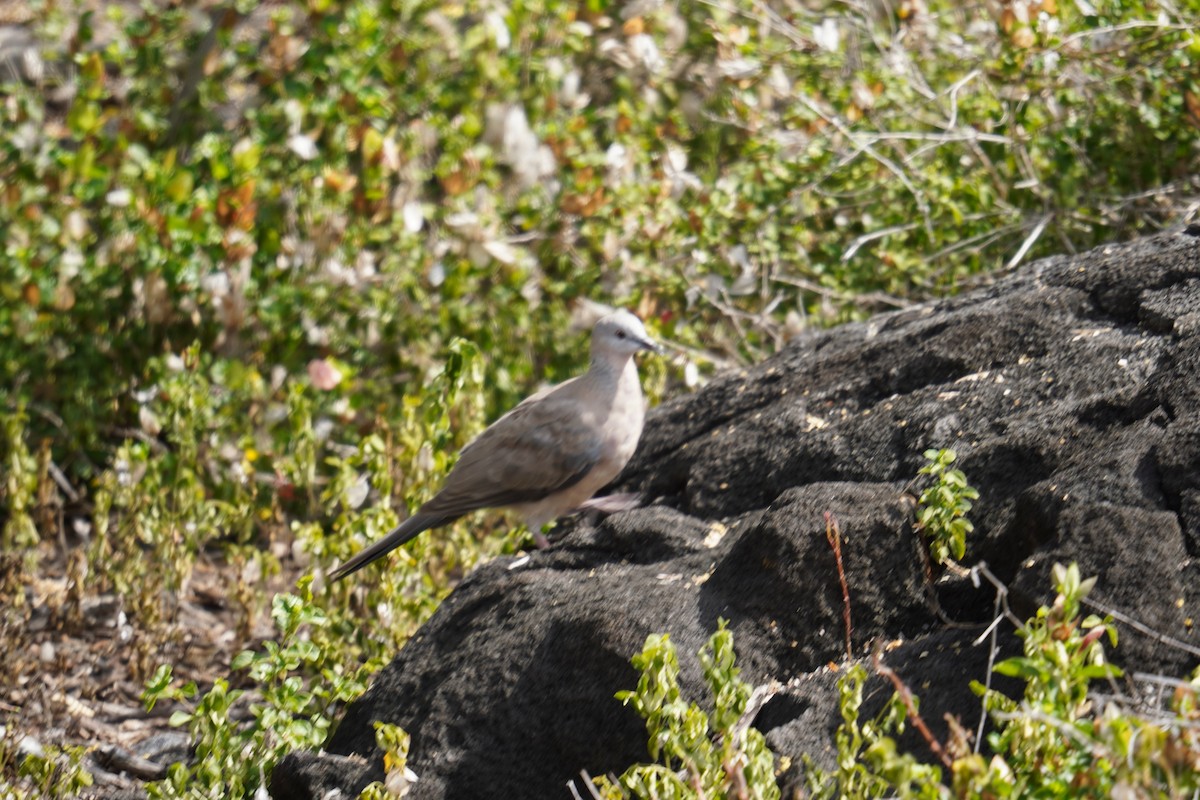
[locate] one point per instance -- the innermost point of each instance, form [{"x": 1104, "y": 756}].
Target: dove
[{"x": 547, "y": 456}]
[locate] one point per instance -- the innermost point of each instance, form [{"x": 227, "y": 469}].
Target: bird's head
[{"x": 620, "y": 335}]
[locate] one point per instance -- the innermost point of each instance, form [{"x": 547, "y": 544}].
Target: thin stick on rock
[
  {"x": 913, "y": 715},
  {"x": 834, "y": 535}
]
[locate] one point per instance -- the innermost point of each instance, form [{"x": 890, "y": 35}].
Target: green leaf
[
  {"x": 180, "y": 718},
  {"x": 1018, "y": 667}
]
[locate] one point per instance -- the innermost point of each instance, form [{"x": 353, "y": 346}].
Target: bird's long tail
[{"x": 410, "y": 528}]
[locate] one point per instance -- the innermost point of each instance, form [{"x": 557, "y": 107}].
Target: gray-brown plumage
[{"x": 551, "y": 453}]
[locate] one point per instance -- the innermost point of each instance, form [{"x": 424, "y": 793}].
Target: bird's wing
[{"x": 544, "y": 445}]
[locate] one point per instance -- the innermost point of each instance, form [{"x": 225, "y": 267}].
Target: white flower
[
  {"x": 27, "y": 137},
  {"x": 364, "y": 264},
  {"x": 149, "y": 421},
  {"x": 356, "y": 495},
  {"x": 124, "y": 478},
  {"x": 675, "y": 168},
  {"x": 118, "y": 197},
  {"x": 645, "y": 51},
  {"x": 522, "y": 150},
  {"x": 437, "y": 274},
  {"x": 464, "y": 221},
  {"x": 414, "y": 216},
  {"x": 338, "y": 273},
  {"x": 399, "y": 783},
  {"x": 322, "y": 428},
  {"x": 501, "y": 251},
  {"x": 294, "y": 111},
  {"x": 303, "y": 146},
  {"x": 76, "y": 225},
  {"x": 70, "y": 263},
  {"x": 739, "y": 68},
  {"x": 827, "y": 36},
  {"x": 568, "y": 91},
  {"x": 616, "y": 158},
  {"x": 215, "y": 283},
  {"x": 425, "y": 458},
  {"x": 499, "y": 29}
]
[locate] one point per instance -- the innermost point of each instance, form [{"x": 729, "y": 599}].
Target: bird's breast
[
  {"x": 618, "y": 423},
  {"x": 620, "y": 441}
]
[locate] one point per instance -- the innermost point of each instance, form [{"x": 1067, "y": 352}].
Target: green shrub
[
  {"x": 398, "y": 780},
  {"x": 943, "y": 505},
  {"x": 696, "y": 754},
  {"x": 29, "y": 771},
  {"x": 869, "y": 762},
  {"x": 1058, "y": 740},
  {"x": 299, "y": 679}
]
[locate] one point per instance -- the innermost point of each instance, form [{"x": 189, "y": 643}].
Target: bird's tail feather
[{"x": 413, "y": 526}]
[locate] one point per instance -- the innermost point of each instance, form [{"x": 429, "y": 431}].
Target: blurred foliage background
[{"x": 267, "y": 266}]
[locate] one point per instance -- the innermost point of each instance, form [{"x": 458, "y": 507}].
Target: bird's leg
[{"x": 600, "y": 506}]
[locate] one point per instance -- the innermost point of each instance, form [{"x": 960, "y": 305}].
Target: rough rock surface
[{"x": 1071, "y": 392}]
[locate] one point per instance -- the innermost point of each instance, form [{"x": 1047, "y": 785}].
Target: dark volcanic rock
[{"x": 1070, "y": 391}]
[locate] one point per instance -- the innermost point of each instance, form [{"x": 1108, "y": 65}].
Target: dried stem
[
  {"x": 913, "y": 715},
  {"x": 834, "y": 535}
]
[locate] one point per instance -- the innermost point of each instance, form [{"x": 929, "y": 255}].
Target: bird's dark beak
[{"x": 652, "y": 346}]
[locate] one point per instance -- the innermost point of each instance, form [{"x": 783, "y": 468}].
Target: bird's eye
[{"x": 620, "y": 334}]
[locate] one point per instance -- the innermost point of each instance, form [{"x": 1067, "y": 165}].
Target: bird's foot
[{"x": 540, "y": 540}]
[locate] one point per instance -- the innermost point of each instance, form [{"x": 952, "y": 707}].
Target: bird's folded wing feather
[{"x": 542, "y": 446}]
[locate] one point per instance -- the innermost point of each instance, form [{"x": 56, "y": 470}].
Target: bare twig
[
  {"x": 834, "y": 536},
  {"x": 910, "y": 706},
  {"x": 157, "y": 447},
  {"x": 767, "y": 16},
  {"x": 883, "y": 160},
  {"x": 981, "y": 570},
  {"x": 758, "y": 698},
  {"x": 1001, "y": 611},
  {"x": 587, "y": 781},
  {"x": 1125, "y": 26},
  {"x": 118, "y": 759},
  {"x": 981, "y": 239},
  {"x": 952, "y": 93},
  {"x": 1163, "y": 680},
  {"x": 866, "y": 238},
  {"x": 843, "y": 297},
  {"x": 61, "y": 479},
  {"x": 963, "y": 135},
  {"x": 697, "y": 783},
  {"x": 1142, "y": 628},
  {"x": 57, "y": 421},
  {"x": 1026, "y": 712},
  {"x": 1034, "y": 235},
  {"x": 737, "y": 776}
]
